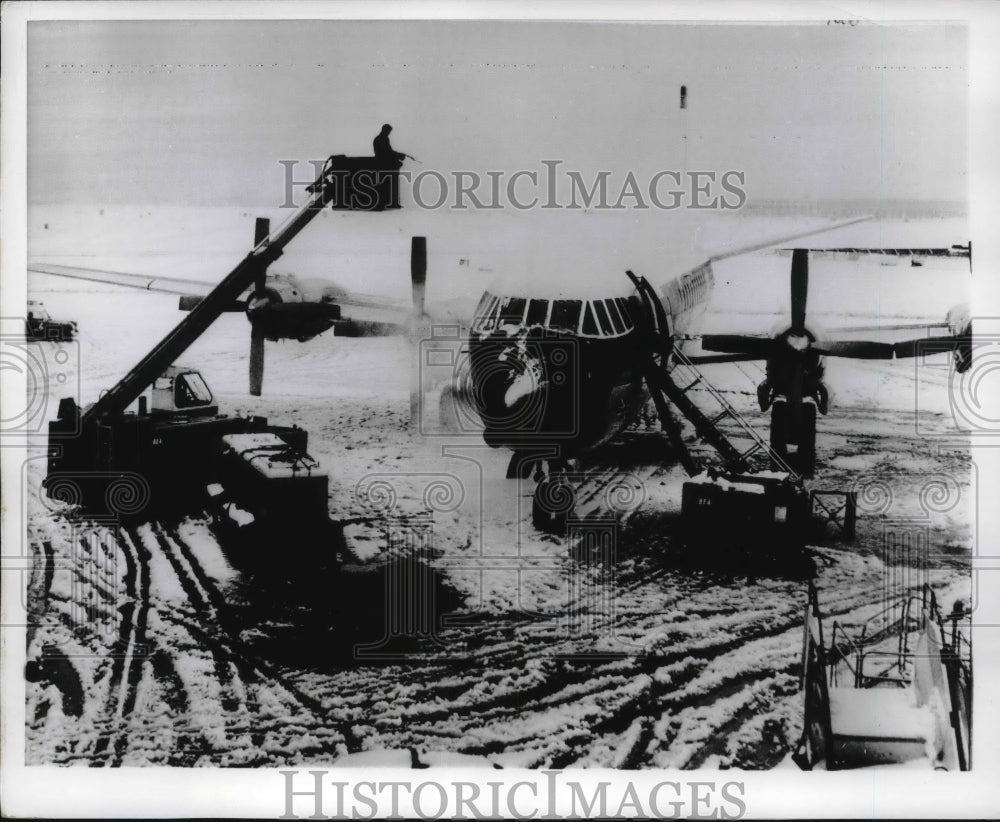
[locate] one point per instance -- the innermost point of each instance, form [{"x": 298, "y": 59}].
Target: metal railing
[
  {"x": 902, "y": 618},
  {"x": 897, "y": 618},
  {"x": 727, "y": 410}
]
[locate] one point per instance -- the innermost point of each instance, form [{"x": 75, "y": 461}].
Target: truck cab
[{"x": 181, "y": 390}]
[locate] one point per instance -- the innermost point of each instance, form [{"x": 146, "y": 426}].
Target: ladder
[
  {"x": 707, "y": 427},
  {"x": 664, "y": 360}
]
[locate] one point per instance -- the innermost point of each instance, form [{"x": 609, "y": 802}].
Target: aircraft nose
[
  {"x": 524, "y": 380},
  {"x": 509, "y": 391},
  {"x": 524, "y": 389}
]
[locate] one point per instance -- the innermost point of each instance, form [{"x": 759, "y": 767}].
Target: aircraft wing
[
  {"x": 953, "y": 251},
  {"x": 847, "y": 329},
  {"x": 200, "y": 288},
  {"x": 163, "y": 285},
  {"x": 714, "y": 359},
  {"x": 355, "y": 300},
  {"x": 786, "y": 238}
]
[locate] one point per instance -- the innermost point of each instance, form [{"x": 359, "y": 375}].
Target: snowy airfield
[{"x": 170, "y": 650}]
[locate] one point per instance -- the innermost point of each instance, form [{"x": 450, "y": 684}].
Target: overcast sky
[{"x": 200, "y": 112}]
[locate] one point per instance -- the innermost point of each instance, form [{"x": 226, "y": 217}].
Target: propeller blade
[
  {"x": 256, "y": 362},
  {"x": 925, "y": 345},
  {"x": 762, "y": 347},
  {"x": 305, "y": 310},
  {"x": 855, "y": 349},
  {"x": 716, "y": 359},
  {"x": 261, "y": 231},
  {"x": 845, "y": 329},
  {"x": 800, "y": 289},
  {"x": 189, "y": 302},
  {"x": 418, "y": 273}
]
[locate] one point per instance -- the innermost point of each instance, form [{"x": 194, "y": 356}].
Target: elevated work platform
[
  {"x": 359, "y": 183},
  {"x": 111, "y": 459}
]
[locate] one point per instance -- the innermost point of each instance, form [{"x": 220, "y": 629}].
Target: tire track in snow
[
  {"x": 611, "y": 683},
  {"x": 191, "y": 743},
  {"x": 239, "y": 671},
  {"x": 231, "y": 700},
  {"x": 128, "y": 651}
]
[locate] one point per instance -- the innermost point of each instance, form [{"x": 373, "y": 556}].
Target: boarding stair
[
  {"x": 897, "y": 691},
  {"x": 708, "y": 428},
  {"x": 670, "y": 374}
]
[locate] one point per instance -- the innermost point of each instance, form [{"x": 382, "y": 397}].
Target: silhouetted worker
[
  {"x": 387, "y": 160},
  {"x": 384, "y": 150}
]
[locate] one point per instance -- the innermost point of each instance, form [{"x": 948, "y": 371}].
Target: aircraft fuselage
[{"x": 561, "y": 374}]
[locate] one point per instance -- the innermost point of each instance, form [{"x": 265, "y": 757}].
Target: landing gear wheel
[
  {"x": 553, "y": 502},
  {"x": 806, "y": 457},
  {"x": 779, "y": 432}
]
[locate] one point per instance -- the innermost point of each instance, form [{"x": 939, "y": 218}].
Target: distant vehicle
[{"x": 39, "y": 326}]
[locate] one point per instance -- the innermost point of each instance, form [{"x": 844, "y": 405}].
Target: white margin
[{"x": 74, "y": 792}]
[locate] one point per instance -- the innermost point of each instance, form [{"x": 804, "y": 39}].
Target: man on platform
[{"x": 383, "y": 148}]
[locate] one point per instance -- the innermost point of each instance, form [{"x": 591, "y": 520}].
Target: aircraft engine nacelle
[
  {"x": 796, "y": 360},
  {"x": 260, "y": 301},
  {"x": 280, "y": 311},
  {"x": 283, "y": 288}
]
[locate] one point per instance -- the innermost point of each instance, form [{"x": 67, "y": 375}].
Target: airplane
[
  {"x": 557, "y": 364},
  {"x": 561, "y": 368}
]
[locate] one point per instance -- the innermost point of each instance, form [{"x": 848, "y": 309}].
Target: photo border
[{"x": 69, "y": 792}]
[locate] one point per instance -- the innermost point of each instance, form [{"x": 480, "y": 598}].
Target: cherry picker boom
[
  {"x": 267, "y": 249},
  {"x": 114, "y": 461}
]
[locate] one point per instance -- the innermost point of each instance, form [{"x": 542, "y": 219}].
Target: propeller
[
  {"x": 792, "y": 356},
  {"x": 800, "y": 290},
  {"x": 272, "y": 318},
  {"x": 793, "y": 364},
  {"x": 792, "y": 340},
  {"x": 790, "y": 348},
  {"x": 795, "y": 339}
]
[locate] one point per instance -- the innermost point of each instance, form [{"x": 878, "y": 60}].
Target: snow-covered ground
[{"x": 163, "y": 648}]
